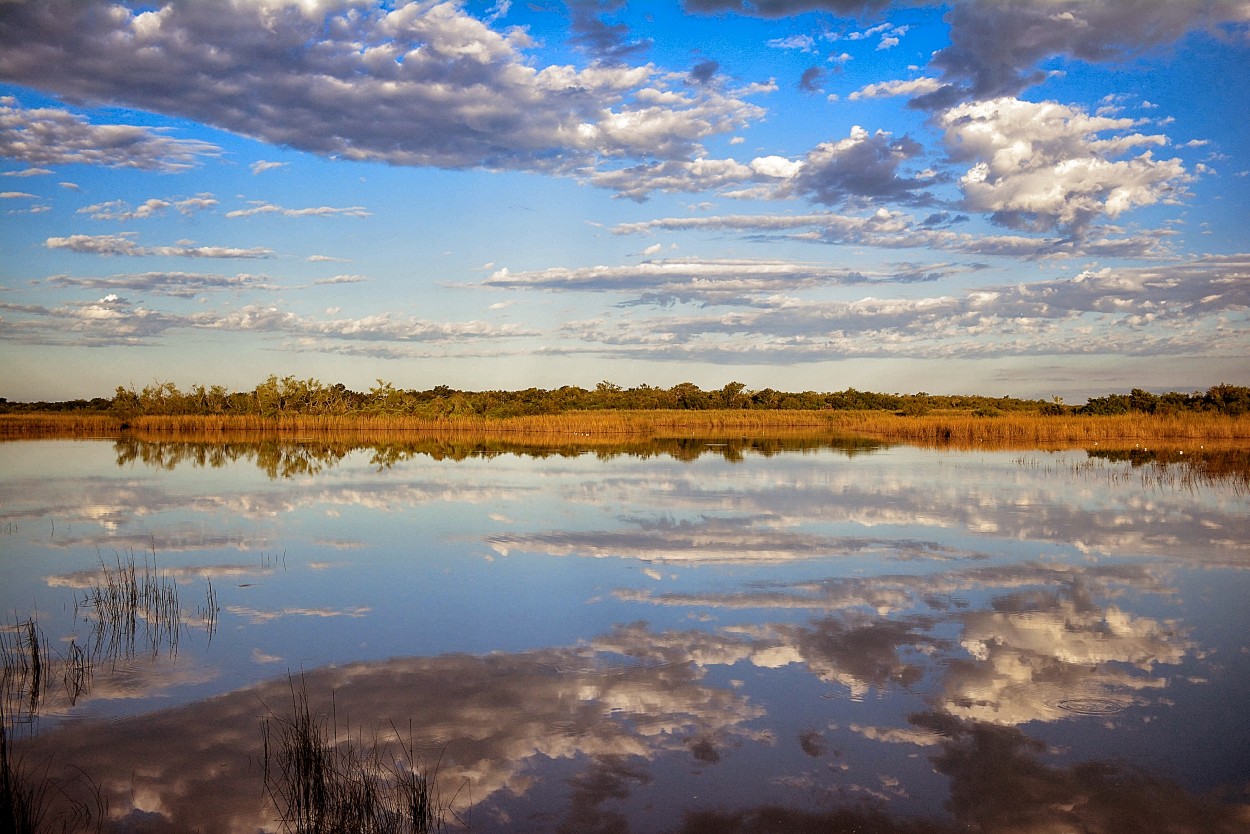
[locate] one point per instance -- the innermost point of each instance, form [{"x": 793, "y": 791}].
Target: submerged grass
[
  {"x": 322, "y": 784},
  {"x": 23, "y": 676},
  {"x": 126, "y": 603}
]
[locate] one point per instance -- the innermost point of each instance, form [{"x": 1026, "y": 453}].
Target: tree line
[{"x": 276, "y": 397}]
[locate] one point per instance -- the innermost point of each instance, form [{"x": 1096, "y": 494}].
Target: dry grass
[
  {"x": 1033, "y": 431},
  {"x": 966, "y": 430}
]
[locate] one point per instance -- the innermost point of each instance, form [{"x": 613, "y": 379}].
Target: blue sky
[{"x": 1034, "y": 198}]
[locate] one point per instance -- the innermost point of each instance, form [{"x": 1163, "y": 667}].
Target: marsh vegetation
[
  {"x": 292, "y": 406},
  {"x": 324, "y": 782}
]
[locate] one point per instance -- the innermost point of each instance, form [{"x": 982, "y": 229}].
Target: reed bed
[
  {"x": 127, "y": 599},
  {"x": 38, "y": 425},
  {"x": 1018, "y": 430},
  {"x": 1034, "y": 431},
  {"x": 24, "y": 674},
  {"x": 32, "y": 799},
  {"x": 322, "y": 784}
]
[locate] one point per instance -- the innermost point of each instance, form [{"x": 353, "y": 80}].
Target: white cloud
[
  {"x": 16, "y": 195},
  {"x": 803, "y": 43},
  {"x": 28, "y": 172},
  {"x": 912, "y": 87},
  {"x": 409, "y": 84},
  {"x": 261, "y": 165},
  {"x": 1046, "y": 165},
  {"x": 120, "y": 210},
  {"x": 261, "y": 207}
]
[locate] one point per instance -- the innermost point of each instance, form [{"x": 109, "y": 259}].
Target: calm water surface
[{"x": 694, "y": 638}]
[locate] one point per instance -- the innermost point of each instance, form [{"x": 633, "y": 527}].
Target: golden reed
[{"x": 961, "y": 430}]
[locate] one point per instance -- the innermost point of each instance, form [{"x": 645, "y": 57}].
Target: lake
[{"x": 695, "y": 636}]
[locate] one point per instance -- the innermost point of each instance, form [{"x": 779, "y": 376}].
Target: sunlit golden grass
[
  {"x": 1025, "y": 431},
  {"x": 962, "y": 430}
]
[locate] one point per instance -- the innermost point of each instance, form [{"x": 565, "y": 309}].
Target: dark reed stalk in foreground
[
  {"x": 23, "y": 678},
  {"x": 33, "y": 801},
  {"x": 323, "y": 785}
]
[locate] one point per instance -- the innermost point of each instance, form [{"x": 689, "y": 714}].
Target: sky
[{"x": 1031, "y": 198}]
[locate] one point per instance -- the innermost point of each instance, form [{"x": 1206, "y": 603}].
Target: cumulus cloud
[
  {"x": 52, "y": 136},
  {"x": 911, "y": 87},
  {"x": 124, "y": 244},
  {"x": 592, "y": 30},
  {"x": 407, "y": 84},
  {"x": 996, "y": 47},
  {"x": 863, "y": 166},
  {"x": 1046, "y": 165}
]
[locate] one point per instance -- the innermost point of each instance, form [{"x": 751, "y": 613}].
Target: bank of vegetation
[{"x": 289, "y": 405}]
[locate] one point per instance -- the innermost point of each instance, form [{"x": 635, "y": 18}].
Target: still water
[{"x": 694, "y": 637}]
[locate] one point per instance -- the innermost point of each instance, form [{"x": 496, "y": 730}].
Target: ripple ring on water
[{"x": 1091, "y": 706}]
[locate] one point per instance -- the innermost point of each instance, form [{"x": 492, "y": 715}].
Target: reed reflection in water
[{"x": 790, "y": 633}]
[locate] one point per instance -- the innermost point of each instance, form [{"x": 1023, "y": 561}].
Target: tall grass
[
  {"x": 128, "y": 602},
  {"x": 34, "y": 801},
  {"x": 23, "y": 675},
  {"x": 322, "y": 784},
  {"x": 1031, "y": 431},
  {"x": 957, "y": 428}
]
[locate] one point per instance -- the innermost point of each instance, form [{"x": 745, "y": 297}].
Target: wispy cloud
[
  {"x": 174, "y": 284},
  {"x": 706, "y": 282},
  {"x": 261, "y": 207},
  {"x": 890, "y": 229},
  {"x": 124, "y": 244},
  {"x": 342, "y": 279},
  {"x": 260, "y": 166},
  {"x": 120, "y": 210}
]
